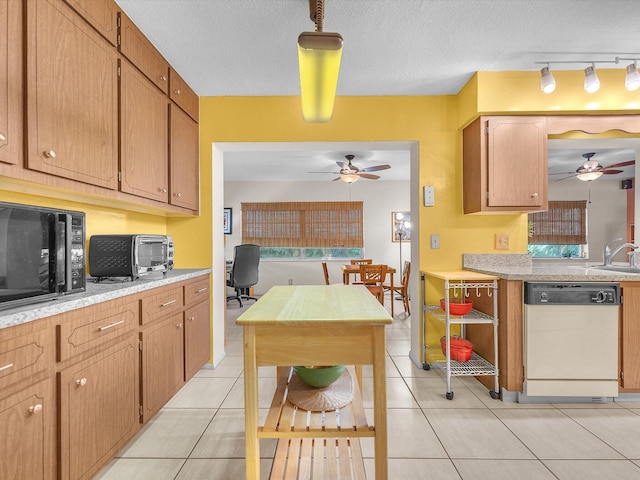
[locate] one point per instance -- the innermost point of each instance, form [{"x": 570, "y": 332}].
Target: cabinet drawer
[
  {"x": 182, "y": 95},
  {"x": 141, "y": 52},
  {"x": 90, "y": 327},
  {"x": 23, "y": 355},
  {"x": 166, "y": 301},
  {"x": 197, "y": 291}
]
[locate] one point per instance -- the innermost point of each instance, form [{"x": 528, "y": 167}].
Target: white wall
[
  {"x": 606, "y": 214},
  {"x": 379, "y": 198}
]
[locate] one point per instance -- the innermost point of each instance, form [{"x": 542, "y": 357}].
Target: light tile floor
[{"x": 200, "y": 432}]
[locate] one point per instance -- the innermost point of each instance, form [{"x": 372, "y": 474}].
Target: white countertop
[
  {"x": 555, "y": 272},
  {"x": 95, "y": 293}
]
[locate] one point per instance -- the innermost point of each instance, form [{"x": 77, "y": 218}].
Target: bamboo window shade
[
  {"x": 302, "y": 224},
  {"x": 564, "y": 223}
]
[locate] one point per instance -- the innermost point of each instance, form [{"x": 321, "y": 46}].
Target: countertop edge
[{"x": 95, "y": 293}]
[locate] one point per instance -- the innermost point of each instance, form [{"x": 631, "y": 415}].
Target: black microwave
[{"x": 42, "y": 253}]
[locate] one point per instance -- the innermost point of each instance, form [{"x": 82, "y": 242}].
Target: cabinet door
[
  {"x": 184, "y": 160},
  {"x": 630, "y": 336},
  {"x": 98, "y": 409},
  {"x": 182, "y": 95},
  {"x": 10, "y": 82},
  {"x": 517, "y": 161},
  {"x": 162, "y": 363},
  {"x": 197, "y": 338},
  {"x": 144, "y": 124},
  {"x": 72, "y": 97},
  {"x": 27, "y": 442},
  {"x": 101, "y": 14}
]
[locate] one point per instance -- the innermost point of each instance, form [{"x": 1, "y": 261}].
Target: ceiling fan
[
  {"x": 591, "y": 169},
  {"x": 350, "y": 173}
]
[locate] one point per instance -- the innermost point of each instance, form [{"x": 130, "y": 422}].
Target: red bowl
[
  {"x": 461, "y": 349},
  {"x": 458, "y": 306}
]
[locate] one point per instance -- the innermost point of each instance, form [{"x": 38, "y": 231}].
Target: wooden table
[
  {"x": 315, "y": 325},
  {"x": 349, "y": 269}
]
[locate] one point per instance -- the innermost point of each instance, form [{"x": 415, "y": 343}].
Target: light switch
[
  {"x": 429, "y": 196},
  {"x": 502, "y": 241},
  {"x": 435, "y": 241}
]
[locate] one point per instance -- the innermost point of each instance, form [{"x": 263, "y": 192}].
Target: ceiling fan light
[
  {"x": 632, "y": 78},
  {"x": 591, "y": 80},
  {"x": 349, "y": 177},
  {"x": 547, "y": 82},
  {"x": 588, "y": 176}
]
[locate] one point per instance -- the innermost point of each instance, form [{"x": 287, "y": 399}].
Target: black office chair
[{"x": 244, "y": 272}]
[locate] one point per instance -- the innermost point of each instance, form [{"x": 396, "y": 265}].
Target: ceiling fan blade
[
  {"x": 563, "y": 173},
  {"x": 564, "y": 178},
  {"x": 336, "y": 179},
  {"x": 621, "y": 164},
  {"x": 611, "y": 172},
  {"x": 330, "y": 173},
  {"x": 342, "y": 165},
  {"x": 375, "y": 168},
  {"x": 369, "y": 176}
]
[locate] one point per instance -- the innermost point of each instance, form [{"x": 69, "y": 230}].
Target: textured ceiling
[{"x": 391, "y": 47}]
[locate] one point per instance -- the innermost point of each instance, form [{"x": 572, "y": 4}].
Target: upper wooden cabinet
[
  {"x": 101, "y": 14},
  {"x": 182, "y": 95},
  {"x": 505, "y": 165},
  {"x": 141, "y": 52},
  {"x": 11, "y": 119},
  {"x": 144, "y": 151},
  {"x": 72, "y": 97},
  {"x": 184, "y": 160}
]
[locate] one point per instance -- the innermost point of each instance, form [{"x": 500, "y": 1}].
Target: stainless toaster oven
[{"x": 129, "y": 255}]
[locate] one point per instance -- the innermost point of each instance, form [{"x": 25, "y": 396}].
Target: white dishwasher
[{"x": 571, "y": 339}]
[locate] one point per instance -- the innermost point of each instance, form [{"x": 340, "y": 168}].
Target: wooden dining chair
[
  {"x": 373, "y": 277},
  {"x": 403, "y": 288},
  {"x": 362, "y": 261},
  {"x": 326, "y": 273}
]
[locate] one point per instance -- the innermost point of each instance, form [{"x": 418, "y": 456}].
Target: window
[
  {"x": 304, "y": 230},
  {"x": 561, "y": 231}
]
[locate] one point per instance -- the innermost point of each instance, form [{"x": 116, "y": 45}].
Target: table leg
[
  {"x": 393, "y": 294},
  {"x": 380, "y": 403},
  {"x": 345, "y": 278},
  {"x": 252, "y": 443}
]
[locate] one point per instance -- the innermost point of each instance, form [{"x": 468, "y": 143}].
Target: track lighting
[
  {"x": 547, "y": 82},
  {"x": 591, "y": 80},
  {"x": 632, "y": 79}
]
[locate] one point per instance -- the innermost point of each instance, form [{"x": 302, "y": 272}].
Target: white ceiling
[{"x": 391, "y": 47}]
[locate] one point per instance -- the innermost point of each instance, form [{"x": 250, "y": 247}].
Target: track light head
[
  {"x": 547, "y": 82},
  {"x": 632, "y": 78},
  {"x": 591, "y": 80}
]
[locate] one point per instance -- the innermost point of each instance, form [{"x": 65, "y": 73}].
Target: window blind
[
  {"x": 302, "y": 224},
  {"x": 564, "y": 223}
]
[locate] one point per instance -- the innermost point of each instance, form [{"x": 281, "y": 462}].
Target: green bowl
[{"x": 319, "y": 376}]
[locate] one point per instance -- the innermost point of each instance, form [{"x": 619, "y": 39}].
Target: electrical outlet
[
  {"x": 435, "y": 241},
  {"x": 291, "y": 281},
  {"x": 502, "y": 241}
]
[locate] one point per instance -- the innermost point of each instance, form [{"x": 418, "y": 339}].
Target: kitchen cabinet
[
  {"x": 630, "y": 336},
  {"x": 11, "y": 46},
  {"x": 72, "y": 97},
  {"x": 505, "y": 165},
  {"x": 184, "y": 156},
  {"x": 182, "y": 95},
  {"x": 197, "y": 331},
  {"x": 98, "y": 408},
  {"x": 101, "y": 14},
  {"x": 162, "y": 363},
  {"x": 144, "y": 120}
]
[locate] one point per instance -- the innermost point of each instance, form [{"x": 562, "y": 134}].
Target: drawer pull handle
[
  {"x": 6, "y": 366},
  {"x": 82, "y": 382},
  {"x": 50, "y": 154},
  {"x": 37, "y": 408},
  {"x": 111, "y": 325},
  {"x": 166, "y": 304},
  {"x": 2, "y": 137},
  {"x": 202, "y": 290}
]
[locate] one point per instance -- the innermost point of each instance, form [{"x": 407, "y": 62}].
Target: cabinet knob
[
  {"x": 2, "y": 137},
  {"x": 192, "y": 318},
  {"x": 177, "y": 91},
  {"x": 163, "y": 78},
  {"x": 162, "y": 189},
  {"x": 37, "y": 408},
  {"x": 534, "y": 195},
  {"x": 82, "y": 382},
  {"x": 178, "y": 194},
  {"x": 50, "y": 153},
  {"x": 178, "y": 325}
]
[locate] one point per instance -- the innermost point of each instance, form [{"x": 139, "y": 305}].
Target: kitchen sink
[{"x": 618, "y": 268}]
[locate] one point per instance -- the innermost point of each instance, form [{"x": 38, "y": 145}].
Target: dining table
[
  {"x": 349, "y": 269},
  {"x": 315, "y": 325}
]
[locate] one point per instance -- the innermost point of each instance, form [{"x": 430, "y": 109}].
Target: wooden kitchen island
[{"x": 315, "y": 325}]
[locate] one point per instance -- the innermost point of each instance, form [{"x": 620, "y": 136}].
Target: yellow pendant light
[{"x": 319, "y": 55}]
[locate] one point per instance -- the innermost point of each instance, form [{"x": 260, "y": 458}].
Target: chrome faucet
[{"x": 608, "y": 254}]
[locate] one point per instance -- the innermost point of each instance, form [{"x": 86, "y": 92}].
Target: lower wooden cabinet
[
  {"x": 98, "y": 409},
  {"x": 162, "y": 363},
  {"x": 197, "y": 338},
  {"x": 630, "y": 337},
  {"x": 27, "y": 442}
]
